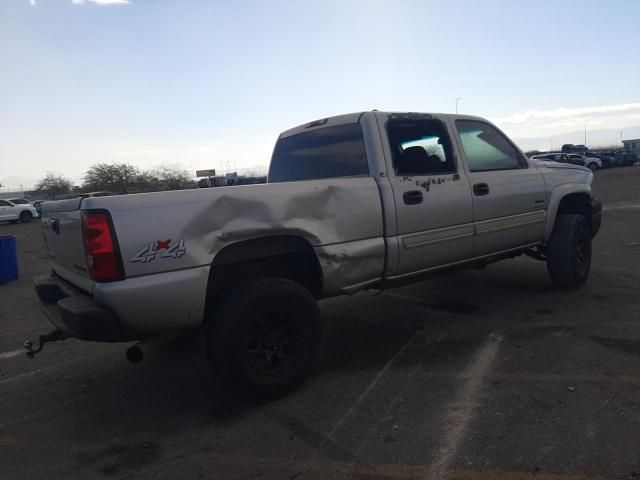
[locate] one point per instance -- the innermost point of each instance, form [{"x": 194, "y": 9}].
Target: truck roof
[{"x": 355, "y": 117}]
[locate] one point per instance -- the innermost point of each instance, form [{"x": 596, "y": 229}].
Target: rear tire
[
  {"x": 569, "y": 251},
  {"x": 25, "y": 217},
  {"x": 265, "y": 338},
  {"x": 593, "y": 166}
]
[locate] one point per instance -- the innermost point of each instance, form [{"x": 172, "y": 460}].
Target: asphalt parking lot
[{"x": 478, "y": 374}]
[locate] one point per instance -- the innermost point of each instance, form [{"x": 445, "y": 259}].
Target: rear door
[
  {"x": 7, "y": 211},
  {"x": 431, "y": 193},
  {"x": 508, "y": 193},
  {"x": 61, "y": 222}
]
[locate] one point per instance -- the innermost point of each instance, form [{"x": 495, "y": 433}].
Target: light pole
[
  {"x": 457, "y": 99},
  {"x": 585, "y": 138}
]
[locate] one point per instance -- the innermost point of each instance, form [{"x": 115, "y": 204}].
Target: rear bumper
[
  {"x": 76, "y": 314},
  {"x": 596, "y": 216}
]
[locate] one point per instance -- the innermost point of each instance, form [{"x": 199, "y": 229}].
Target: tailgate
[{"x": 62, "y": 229}]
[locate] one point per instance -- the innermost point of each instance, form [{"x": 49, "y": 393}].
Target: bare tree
[
  {"x": 115, "y": 177},
  {"x": 55, "y": 184},
  {"x": 173, "y": 176}
]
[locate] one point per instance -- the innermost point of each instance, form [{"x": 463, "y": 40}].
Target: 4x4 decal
[{"x": 159, "y": 248}]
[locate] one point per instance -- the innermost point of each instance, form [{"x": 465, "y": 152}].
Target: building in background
[{"x": 633, "y": 145}]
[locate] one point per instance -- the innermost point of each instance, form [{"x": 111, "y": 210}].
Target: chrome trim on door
[
  {"x": 512, "y": 221},
  {"x": 429, "y": 237}
]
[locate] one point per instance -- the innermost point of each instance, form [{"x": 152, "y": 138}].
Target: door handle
[
  {"x": 481, "y": 189},
  {"x": 413, "y": 197}
]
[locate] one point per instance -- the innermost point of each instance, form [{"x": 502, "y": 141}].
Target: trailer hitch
[{"x": 54, "y": 336}]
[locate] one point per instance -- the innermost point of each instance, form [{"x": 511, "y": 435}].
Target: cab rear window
[{"x": 322, "y": 153}]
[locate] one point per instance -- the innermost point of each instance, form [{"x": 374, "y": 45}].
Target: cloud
[
  {"x": 32, "y": 3},
  {"x": 104, "y": 3},
  {"x": 559, "y": 113},
  {"x": 542, "y": 123},
  {"x": 138, "y": 153}
]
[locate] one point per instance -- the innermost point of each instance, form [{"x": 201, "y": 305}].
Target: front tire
[
  {"x": 25, "y": 217},
  {"x": 569, "y": 251},
  {"x": 265, "y": 338},
  {"x": 593, "y": 166}
]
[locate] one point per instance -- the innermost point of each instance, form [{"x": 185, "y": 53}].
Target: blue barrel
[{"x": 8, "y": 259}]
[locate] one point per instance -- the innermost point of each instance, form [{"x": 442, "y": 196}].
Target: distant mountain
[{"x": 606, "y": 137}]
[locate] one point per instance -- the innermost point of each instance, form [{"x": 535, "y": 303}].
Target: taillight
[{"x": 103, "y": 259}]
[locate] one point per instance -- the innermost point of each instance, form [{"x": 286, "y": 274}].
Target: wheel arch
[
  {"x": 285, "y": 256},
  {"x": 568, "y": 201}
]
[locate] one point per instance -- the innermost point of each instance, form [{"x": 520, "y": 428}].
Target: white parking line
[
  {"x": 462, "y": 409},
  {"x": 12, "y": 353}
]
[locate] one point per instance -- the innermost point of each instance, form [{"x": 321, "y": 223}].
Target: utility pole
[{"x": 457, "y": 100}]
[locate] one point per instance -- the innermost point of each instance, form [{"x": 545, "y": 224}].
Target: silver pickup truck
[{"x": 357, "y": 201}]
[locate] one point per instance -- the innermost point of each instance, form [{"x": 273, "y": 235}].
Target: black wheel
[
  {"x": 593, "y": 166},
  {"x": 265, "y": 337},
  {"x": 25, "y": 217},
  {"x": 569, "y": 251}
]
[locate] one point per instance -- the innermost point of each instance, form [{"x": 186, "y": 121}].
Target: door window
[
  {"x": 420, "y": 147},
  {"x": 486, "y": 148},
  {"x": 4, "y": 203}
]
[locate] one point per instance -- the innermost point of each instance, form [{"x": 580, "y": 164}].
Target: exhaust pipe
[{"x": 137, "y": 352}]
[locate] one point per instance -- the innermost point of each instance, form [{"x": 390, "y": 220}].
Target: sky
[{"x": 209, "y": 84}]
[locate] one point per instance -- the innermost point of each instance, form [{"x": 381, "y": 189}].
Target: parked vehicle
[
  {"x": 364, "y": 200},
  {"x": 607, "y": 160},
  {"x": 626, "y": 158},
  {"x": 571, "y": 148},
  {"x": 12, "y": 212},
  {"x": 38, "y": 206},
  {"x": 560, "y": 157},
  {"x": 592, "y": 163}
]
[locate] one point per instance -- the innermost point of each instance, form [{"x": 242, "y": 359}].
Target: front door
[
  {"x": 508, "y": 194},
  {"x": 432, "y": 195}
]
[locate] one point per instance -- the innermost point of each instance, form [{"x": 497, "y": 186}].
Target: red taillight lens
[{"x": 100, "y": 247}]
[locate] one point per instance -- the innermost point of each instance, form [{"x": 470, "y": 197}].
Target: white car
[
  {"x": 19, "y": 201},
  {"x": 11, "y": 212},
  {"x": 591, "y": 163}
]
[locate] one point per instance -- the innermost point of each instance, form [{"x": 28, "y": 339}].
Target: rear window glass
[{"x": 323, "y": 153}]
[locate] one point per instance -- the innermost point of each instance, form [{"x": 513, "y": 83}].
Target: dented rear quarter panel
[{"x": 341, "y": 218}]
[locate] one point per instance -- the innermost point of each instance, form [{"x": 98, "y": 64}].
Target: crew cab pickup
[{"x": 357, "y": 201}]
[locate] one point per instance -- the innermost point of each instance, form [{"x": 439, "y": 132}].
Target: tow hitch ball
[{"x": 42, "y": 340}]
